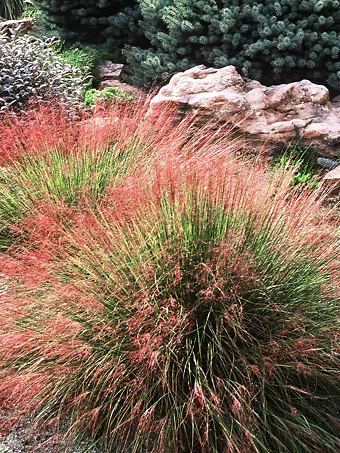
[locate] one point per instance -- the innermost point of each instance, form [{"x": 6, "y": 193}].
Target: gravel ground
[{"x": 27, "y": 438}]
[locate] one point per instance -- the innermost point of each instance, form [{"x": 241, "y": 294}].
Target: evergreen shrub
[
  {"x": 275, "y": 41},
  {"x": 113, "y": 22}
]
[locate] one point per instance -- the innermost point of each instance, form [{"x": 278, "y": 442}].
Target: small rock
[
  {"x": 109, "y": 70},
  {"x": 331, "y": 180},
  {"x": 327, "y": 163}
]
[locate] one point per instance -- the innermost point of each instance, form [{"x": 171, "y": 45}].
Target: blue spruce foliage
[{"x": 275, "y": 41}]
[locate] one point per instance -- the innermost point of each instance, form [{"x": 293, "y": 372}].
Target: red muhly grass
[
  {"x": 42, "y": 227},
  {"x": 40, "y": 343},
  {"x": 27, "y": 268},
  {"x": 189, "y": 308},
  {"x": 49, "y": 126},
  {"x": 202, "y": 268},
  {"x": 37, "y": 330},
  {"x": 29, "y": 263},
  {"x": 108, "y": 147},
  {"x": 38, "y": 131}
]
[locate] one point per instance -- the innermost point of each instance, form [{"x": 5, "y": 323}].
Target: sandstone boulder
[
  {"x": 18, "y": 27},
  {"x": 331, "y": 180},
  {"x": 277, "y": 115}
]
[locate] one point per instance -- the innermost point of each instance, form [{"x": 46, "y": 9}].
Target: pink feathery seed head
[
  {"x": 305, "y": 343},
  {"x": 36, "y": 132},
  {"x": 123, "y": 202},
  {"x": 41, "y": 228},
  {"x": 216, "y": 401},
  {"x": 13, "y": 345},
  {"x": 10, "y": 267},
  {"x": 146, "y": 350},
  {"x": 94, "y": 415},
  {"x": 305, "y": 347},
  {"x": 13, "y": 305},
  {"x": 335, "y": 421},
  {"x": 96, "y": 132},
  {"x": 21, "y": 391},
  {"x": 199, "y": 396},
  {"x": 146, "y": 420},
  {"x": 90, "y": 303},
  {"x": 43, "y": 231},
  {"x": 28, "y": 267},
  {"x": 80, "y": 398},
  {"x": 63, "y": 326},
  {"x": 269, "y": 366},
  {"x": 129, "y": 125},
  {"x": 303, "y": 369},
  {"x": 236, "y": 407}
]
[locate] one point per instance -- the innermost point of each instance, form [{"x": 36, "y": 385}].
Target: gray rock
[
  {"x": 27, "y": 437},
  {"x": 109, "y": 70},
  {"x": 327, "y": 163}
]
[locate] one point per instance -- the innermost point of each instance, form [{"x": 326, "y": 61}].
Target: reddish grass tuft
[{"x": 191, "y": 308}]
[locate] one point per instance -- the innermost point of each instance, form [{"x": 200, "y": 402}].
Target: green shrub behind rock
[
  {"x": 275, "y": 41},
  {"x": 107, "y": 95}
]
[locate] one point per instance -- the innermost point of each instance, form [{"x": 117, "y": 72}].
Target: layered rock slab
[{"x": 276, "y": 115}]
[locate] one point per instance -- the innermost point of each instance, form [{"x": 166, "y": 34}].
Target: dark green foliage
[
  {"x": 307, "y": 171},
  {"x": 42, "y": 26},
  {"x": 11, "y": 9},
  {"x": 113, "y": 22},
  {"x": 275, "y": 41}
]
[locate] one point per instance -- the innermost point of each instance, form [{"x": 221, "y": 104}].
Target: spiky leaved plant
[
  {"x": 205, "y": 310},
  {"x": 274, "y": 41},
  {"x": 11, "y": 9}
]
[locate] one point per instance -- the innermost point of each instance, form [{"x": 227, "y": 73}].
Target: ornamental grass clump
[
  {"x": 198, "y": 312},
  {"x": 46, "y": 156}
]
